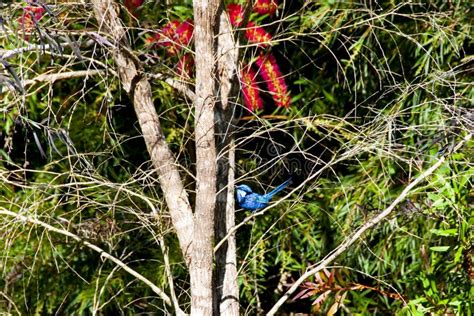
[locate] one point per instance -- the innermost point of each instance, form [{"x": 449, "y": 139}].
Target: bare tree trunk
[
  {"x": 226, "y": 300},
  {"x": 200, "y": 269}
]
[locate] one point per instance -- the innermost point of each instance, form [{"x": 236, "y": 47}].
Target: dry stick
[
  {"x": 10, "y": 301},
  {"x": 348, "y": 242},
  {"x": 59, "y": 76},
  {"x": 165, "y": 252},
  {"x": 8, "y": 53},
  {"x": 179, "y": 85},
  {"x": 63, "y": 75},
  {"x": 102, "y": 253},
  {"x": 182, "y": 87}
]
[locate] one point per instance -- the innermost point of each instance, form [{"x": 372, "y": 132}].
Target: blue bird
[{"x": 249, "y": 200}]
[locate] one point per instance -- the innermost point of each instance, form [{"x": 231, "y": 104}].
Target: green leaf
[
  {"x": 329, "y": 96},
  {"x": 440, "y": 248},
  {"x": 444, "y": 232}
]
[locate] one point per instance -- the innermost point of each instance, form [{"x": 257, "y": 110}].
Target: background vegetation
[{"x": 380, "y": 91}]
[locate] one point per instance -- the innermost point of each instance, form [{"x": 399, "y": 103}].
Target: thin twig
[
  {"x": 8, "y": 53},
  {"x": 10, "y": 301},
  {"x": 169, "y": 275},
  {"x": 59, "y": 76},
  {"x": 63, "y": 75},
  {"x": 181, "y": 86}
]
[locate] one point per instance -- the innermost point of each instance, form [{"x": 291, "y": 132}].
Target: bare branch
[
  {"x": 201, "y": 268},
  {"x": 64, "y": 75},
  {"x": 60, "y": 76},
  {"x": 181, "y": 86},
  {"x": 8, "y": 53}
]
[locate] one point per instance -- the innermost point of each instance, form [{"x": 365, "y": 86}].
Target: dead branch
[{"x": 59, "y": 76}]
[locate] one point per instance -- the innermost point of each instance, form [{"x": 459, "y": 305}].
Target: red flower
[
  {"x": 185, "y": 66},
  {"x": 236, "y": 14},
  {"x": 184, "y": 32},
  {"x": 252, "y": 99},
  {"x": 274, "y": 79},
  {"x": 257, "y": 34},
  {"x": 29, "y": 18},
  {"x": 174, "y": 36},
  {"x": 165, "y": 35},
  {"x": 36, "y": 12},
  {"x": 265, "y": 6},
  {"x": 132, "y": 5}
]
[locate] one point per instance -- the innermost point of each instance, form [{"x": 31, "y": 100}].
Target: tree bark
[
  {"x": 200, "y": 270},
  {"x": 195, "y": 231},
  {"x": 226, "y": 300}
]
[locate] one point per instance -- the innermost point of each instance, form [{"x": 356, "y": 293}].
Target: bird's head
[{"x": 242, "y": 191}]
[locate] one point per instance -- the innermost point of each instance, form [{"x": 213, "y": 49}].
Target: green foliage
[
  {"x": 380, "y": 91},
  {"x": 391, "y": 71}
]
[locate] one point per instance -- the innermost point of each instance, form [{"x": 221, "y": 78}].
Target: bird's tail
[{"x": 280, "y": 187}]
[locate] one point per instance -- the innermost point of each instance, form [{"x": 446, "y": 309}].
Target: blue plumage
[{"x": 249, "y": 200}]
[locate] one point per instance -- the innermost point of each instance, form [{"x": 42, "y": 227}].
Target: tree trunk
[
  {"x": 226, "y": 300},
  {"x": 195, "y": 231},
  {"x": 200, "y": 269}
]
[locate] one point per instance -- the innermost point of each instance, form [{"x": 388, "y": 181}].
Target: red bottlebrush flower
[
  {"x": 31, "y": 15},
  {"x": 256, "y": 34},
  {"x": 236, "y": 14},
  {"x": 132, "y": 5},
  {"x": 174, "y": 36},
  {"x": 252, "y": 99},
  {"x": 185, "y": 66},
  {"x": 265, "y": 6},
  {"x": 184, "y": 32},
  {"x": 166, "y": 34},
  {"x": 36, "y": 12},
  {"x": 274, "y": 79}
]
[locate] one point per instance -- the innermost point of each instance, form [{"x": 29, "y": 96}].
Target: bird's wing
[
  {"x": 252, "y": 198},
  {"x": 251, "y": 202},
  {"x": 279, "y": 188},
  {"x": 261, "y": 198}
]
